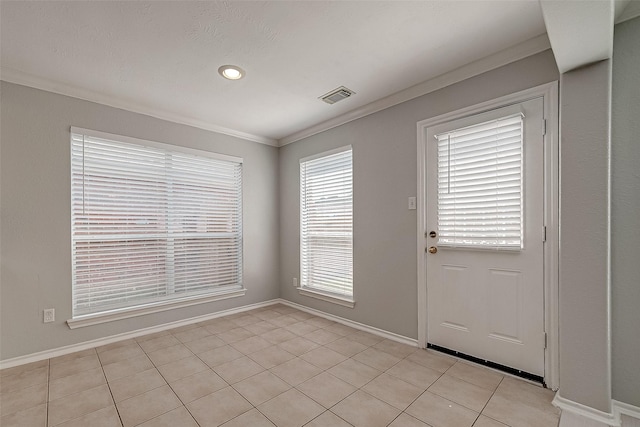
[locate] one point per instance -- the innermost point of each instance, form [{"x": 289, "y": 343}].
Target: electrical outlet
[
  {"x": 295, "y": 282},
  {"x": 49, "y": 315},
  {"x": 412, "y": 203}
]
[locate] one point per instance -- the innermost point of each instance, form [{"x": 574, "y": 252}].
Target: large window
[
  {"x": 151, "y": 223},
  {"x": 480, "y": 185},
  {"x": 326, "y": 223}
]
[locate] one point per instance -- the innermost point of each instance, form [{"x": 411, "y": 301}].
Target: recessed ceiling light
[{"x": 231, "y": 72}]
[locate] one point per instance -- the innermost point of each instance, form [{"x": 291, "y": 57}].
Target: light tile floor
[{"x": 271, "y": 366}]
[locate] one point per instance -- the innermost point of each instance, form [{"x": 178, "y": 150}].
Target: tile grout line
[
  {"x": 251, "y": 376},
  {"x": 169, "y": 384},
  {"x": 115, "y": 404},
  {"x": 417, "y": 397},
  {"x": 291, "y": 386},
  {"x": 155, "y": 366},
  {"x": 234, "y": 389},
  {"x": 361, "y": 387},
  {"x": 478, "y": 412},
  {"x": 210, "y": 368},
  {"x": 109, "y": 387},
  {"x": 460, "y": 379},
  {"x": 403, "y": 411},
  {"x": 488, "y": 400},
  {"x": 77, "y": 392},
  {"x": 333, "y": 413}
]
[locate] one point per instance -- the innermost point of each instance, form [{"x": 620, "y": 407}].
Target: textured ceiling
[{"x": 163, "y": 56}]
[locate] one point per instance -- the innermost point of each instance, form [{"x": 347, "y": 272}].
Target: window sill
[
  {"x": 326, "y": 296},
  {"x": 125, "y": 313}
]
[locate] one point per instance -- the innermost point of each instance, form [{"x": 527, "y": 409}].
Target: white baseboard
[
  {"x": 60, "y": 351},
  {"x": 356, "y": 325},
  {"x": 570, "y": 419},
  {"x": 629, "y": 415},
  {"x": 577, "y": 415}
]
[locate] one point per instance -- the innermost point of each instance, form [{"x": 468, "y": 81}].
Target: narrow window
[
  {"x": 326, "y": 223},
  {"x": 480, "y": 185},
  {"x": 151, "y": 223}
]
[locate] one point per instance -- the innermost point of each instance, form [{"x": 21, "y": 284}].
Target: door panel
[
  {"x": 456, "y": 314},
  {"x": 503, "y": 289},
  {"x": 485, "y": 292}
]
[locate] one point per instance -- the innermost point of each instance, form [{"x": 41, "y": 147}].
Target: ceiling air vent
[{"x": 337, "y": 95}]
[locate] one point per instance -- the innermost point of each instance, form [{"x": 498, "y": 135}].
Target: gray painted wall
[
  {"x": 625, "y": 212},
  {"x": 385, "y": 175},
  {"x": 585, "y": 124},
  {"x": 35, "y": 240}
]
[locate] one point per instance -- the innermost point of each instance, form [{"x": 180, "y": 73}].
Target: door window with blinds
[
  {"x": 151, "y": 223},
  {"x": 480, "y": 185},
  {"x": 326, "y": 223}
]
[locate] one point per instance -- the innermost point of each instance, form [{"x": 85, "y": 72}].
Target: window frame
[
  {"x": 162, "y": 303},
  {"x": 344, "y": 299}
]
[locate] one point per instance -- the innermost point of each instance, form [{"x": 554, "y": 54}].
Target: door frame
[{"x": 549, "y": 93}]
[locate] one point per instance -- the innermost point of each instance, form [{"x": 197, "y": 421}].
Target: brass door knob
[{"x": 432, "y": 250}]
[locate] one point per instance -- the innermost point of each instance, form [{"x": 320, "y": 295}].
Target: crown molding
[
  {"x": 503, "y": 57},
  {"x": 11, "y": 75}
]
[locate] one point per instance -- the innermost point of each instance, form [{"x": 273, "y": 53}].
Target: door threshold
[{"x": 488, "y": 363}]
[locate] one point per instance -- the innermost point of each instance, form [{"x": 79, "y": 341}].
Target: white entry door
[{"x": 485, "y": 210}]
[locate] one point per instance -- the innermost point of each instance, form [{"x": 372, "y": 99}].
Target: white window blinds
[
  {"x": 480, "y": 185},
  {"x": 326, "y": 223},
  {"x": 151, "y": 224}
]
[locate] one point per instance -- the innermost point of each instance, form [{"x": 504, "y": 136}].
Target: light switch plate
[{"x": 412, "y": 203}]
